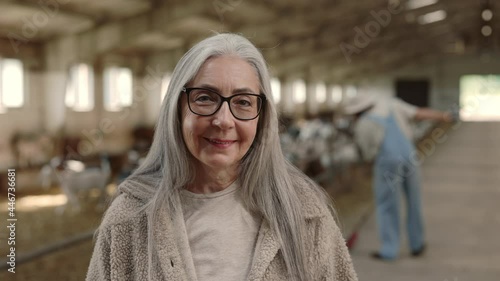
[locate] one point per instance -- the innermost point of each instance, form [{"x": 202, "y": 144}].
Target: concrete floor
[{"x": 461, "y": 205}]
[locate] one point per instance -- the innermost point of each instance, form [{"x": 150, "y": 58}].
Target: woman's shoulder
[
  {"x": 134, "y": 194},
  {"x": 124, "y": 209},
  {"x": 315, "y": 202}
]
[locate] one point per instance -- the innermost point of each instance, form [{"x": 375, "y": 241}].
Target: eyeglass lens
[{"x": 242, "y": 106}]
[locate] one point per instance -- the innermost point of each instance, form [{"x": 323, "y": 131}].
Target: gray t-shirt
[{"x": 222, "y": 234}]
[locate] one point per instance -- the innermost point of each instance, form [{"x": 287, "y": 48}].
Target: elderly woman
[{"x": 215, "y": 199}]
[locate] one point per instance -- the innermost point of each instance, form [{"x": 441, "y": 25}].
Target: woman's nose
[{"x": 223, "y": 118}]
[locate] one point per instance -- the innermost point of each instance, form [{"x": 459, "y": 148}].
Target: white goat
[{"x": 74, "y": 179}]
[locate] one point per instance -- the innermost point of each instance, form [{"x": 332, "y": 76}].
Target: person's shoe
[
  {"x": 378, "y": 256},
  {"x": 419, "y": 252}
]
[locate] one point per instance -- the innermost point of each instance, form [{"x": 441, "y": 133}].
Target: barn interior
[{"x": 82, "y": 81}]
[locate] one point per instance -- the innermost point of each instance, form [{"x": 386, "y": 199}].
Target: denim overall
[{"x": 394, "y": 171}]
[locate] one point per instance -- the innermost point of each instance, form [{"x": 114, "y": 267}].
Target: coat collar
[
  {"x": 265, "y": 253},
  {"x": 269, "y": 246},
  {"x": 175, "y": 260}
]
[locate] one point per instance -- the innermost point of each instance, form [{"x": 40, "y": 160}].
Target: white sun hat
[{"x": 357, "y": 104}]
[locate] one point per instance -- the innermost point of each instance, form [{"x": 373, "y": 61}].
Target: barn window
[
  {"x": 276, "y": 88},
  {"x": 480, "y": 97},
  {"x": 117, "y": 88},
  {"x": 320, "y": 93},
  {"x": 299, "y": 91},
  {"x": 80, "y": 88},
  {"x": 11, "y": 84}
]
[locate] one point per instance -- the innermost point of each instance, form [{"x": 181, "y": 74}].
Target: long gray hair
[{"x": 267, "y": 180}]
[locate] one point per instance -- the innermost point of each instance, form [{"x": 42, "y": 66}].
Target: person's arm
[
  {"x": 100, "y": 263},
  {"x": 431, "y": 114},
  {"x": 421, "y": 113}
]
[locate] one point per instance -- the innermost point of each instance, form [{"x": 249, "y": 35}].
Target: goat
[
  {"x": 75, "y": 178},
  {"x": 31, "y": 149}
]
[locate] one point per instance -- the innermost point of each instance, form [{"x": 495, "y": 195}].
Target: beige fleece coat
[{"x": 120, "y": 252}]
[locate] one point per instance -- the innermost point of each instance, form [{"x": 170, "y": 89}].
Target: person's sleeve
[
  {"x": 404, "y": 108},
  {"x": 99, "y": 268}
]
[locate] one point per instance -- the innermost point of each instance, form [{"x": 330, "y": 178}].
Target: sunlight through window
[
  {"x": 11, "y": 83},
  {"x": 164, "y": 85},
  {"x": 276, "y": 88},
  {"x": 320, "y": 93},
  {"x": 33, "y": 203},
  {"x": 336, "y": 94},
  {"x": 299, "y": 91},
  {"x": 480, "y": 97},
  {"x": 117, "y": 88},
  {"x": 80, "y": 88}
]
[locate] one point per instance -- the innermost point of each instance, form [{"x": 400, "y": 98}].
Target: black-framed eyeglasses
[{"x": 206, "y": 102}]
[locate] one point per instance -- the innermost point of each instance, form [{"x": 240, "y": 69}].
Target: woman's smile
[{"x": 220, "y": 143}]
